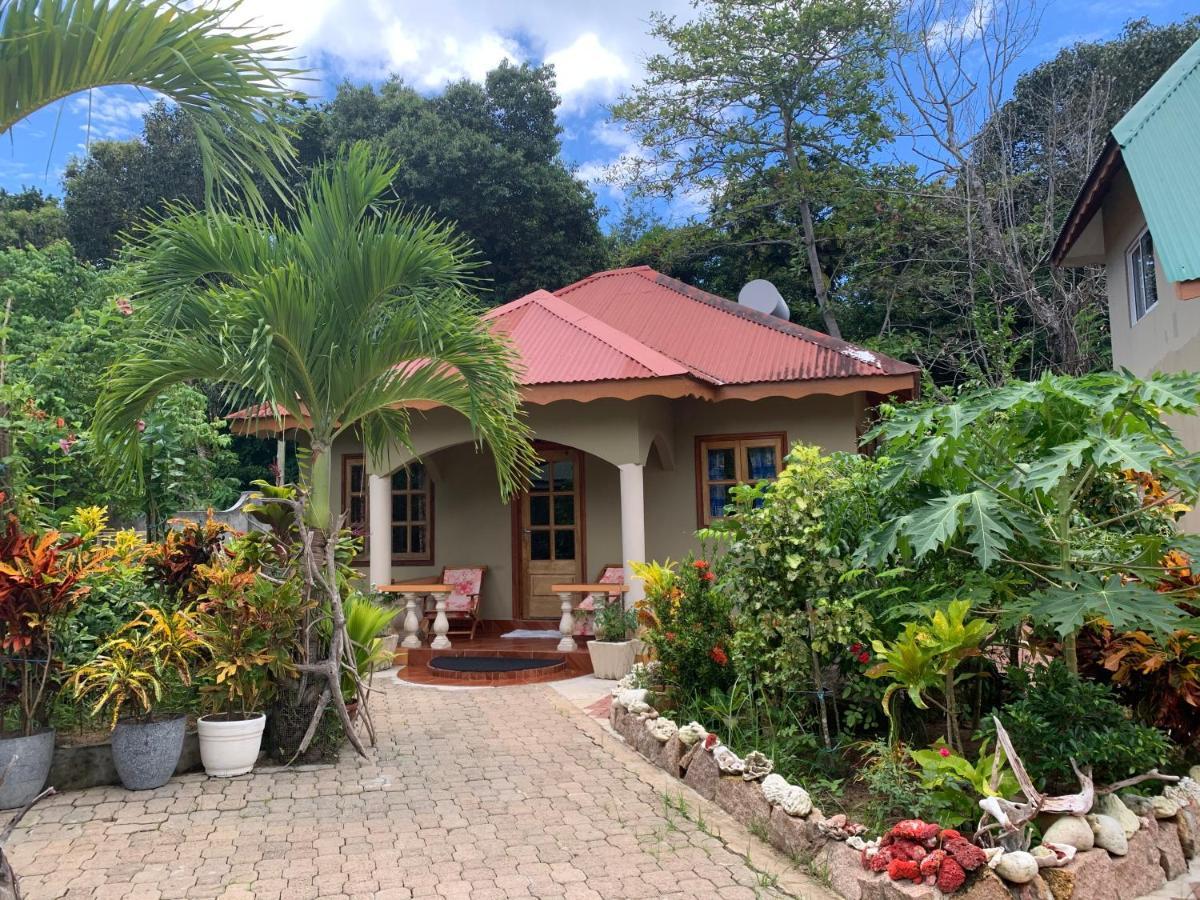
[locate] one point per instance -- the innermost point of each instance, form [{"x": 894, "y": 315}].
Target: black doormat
[{"x": 491, "y": 663}]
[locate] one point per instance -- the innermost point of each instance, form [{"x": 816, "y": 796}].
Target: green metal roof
[{"x": 1160, "y": 144}]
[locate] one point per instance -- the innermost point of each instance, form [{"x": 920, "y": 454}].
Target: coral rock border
[{"x": 1157, "y": 851}]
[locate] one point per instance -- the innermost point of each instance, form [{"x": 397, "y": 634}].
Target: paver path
[{"x": 486, "y": 793}]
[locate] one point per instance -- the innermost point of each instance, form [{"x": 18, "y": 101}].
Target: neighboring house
[
  {"x": 1138, "y": 215},
  {"x": 648, "y": 399}
]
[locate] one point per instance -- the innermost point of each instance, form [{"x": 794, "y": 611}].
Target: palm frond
[
  {"x": 342, "y": 321},
  {"x": 229, "y": 78}
]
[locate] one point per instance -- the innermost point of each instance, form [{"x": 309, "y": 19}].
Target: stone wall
[{"x": 1167, "y": 835}]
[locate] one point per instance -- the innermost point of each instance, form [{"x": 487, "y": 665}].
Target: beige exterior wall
[
  {"x": 473, "y": 526},
  {"x": 1167, "y": 338}
]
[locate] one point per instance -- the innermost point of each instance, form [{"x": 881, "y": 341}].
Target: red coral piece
[
  {"x": 950, "y": 876},
  {"x": 880, "y": 861},
  {"x": 950, "y": 834},
  {"x": 932, "y": 863},
  {"x": 904, "y": 848},
  {"x": 965, "y": 853},
  {"x": 904, "y": 870},
  {"x": 916, "y": 830}
]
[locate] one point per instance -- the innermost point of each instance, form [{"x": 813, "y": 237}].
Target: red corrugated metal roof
[
  {"x": 560, "y": 343},
  {"x": 632, "y": 326},
  {"x": 638, "y": 323}
]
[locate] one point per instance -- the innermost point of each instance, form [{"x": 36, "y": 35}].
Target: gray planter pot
[
  {"x": 146, "y": 753},
  {"x": 27, "y": 776}
]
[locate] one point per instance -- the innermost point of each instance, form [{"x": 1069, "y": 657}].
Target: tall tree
[
  {"x": 789, "y": 95},
  {"x": 487, "y": 157},
  {"x": 227, "y": 77},
  {"x": 119, "y": 183},
  {"x": 338, "y": 321},
  {"x": 29, "y": 218},
  {"x": 1010, "y": 154}
]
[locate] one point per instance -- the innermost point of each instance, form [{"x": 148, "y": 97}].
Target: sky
[{"x": 598, "y": 49}]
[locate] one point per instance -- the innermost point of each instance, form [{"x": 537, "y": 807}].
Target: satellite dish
[{"x": 764, "y": 297}]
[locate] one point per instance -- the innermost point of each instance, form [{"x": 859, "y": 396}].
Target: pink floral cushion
[
  {"x": 466, "y": 587},
  {"x": 586, "y": 622}
]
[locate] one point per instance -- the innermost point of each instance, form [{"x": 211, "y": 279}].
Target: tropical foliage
[
  {"x": 1073, "y": 482},
  {"x": 137, "y": 666},
  {"x": 229, "y": 78},
  {"x": 43, "y": 576},
  {"x": 249, "y": 624},
  {"x": 332, "y": 331}
]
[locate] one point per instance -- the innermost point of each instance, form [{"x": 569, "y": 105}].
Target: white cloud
[
  {"x": 596, "y": 48},
  {"x": 111, "y": 114},
  {"x": 587, "y": 70}
]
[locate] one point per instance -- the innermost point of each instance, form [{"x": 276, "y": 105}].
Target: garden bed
[{"x": 1157, "y": 852}]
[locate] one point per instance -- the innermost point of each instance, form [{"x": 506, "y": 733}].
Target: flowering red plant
[{"x": 718, "y": 655}]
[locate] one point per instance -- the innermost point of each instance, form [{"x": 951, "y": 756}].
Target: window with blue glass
[{"x": 725, "y": 461}]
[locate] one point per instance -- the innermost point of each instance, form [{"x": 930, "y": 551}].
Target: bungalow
[{"x": 649, "y": 399}]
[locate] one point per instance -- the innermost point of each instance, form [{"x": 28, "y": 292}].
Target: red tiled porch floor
[{"x": 416, "y": 662}]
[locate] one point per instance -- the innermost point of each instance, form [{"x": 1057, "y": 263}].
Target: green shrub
[
  {"x": 787, "y": 571},
  {"x": 689, "y": 626},
  {"x": 1057, "y": 717}
]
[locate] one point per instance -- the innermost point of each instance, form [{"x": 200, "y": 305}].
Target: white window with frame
[{"x": 1143, "y": 287}]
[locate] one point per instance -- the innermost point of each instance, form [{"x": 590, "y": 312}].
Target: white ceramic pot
[
  {"x": 230, "y": 747},
  {"x": 611, "y": 659}
]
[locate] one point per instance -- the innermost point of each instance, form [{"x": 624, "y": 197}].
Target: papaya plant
[{"x": 1075, "y": 482}]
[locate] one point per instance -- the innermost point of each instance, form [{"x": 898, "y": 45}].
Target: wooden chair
[
  {"x": 585, "y": 623},
  {"x": 462, "y": 605}
]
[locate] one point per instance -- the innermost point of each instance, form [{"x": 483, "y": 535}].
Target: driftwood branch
[
  {"x": 1012, "y": 815},
  {"x": 1152, "y": 775},
  {"x": 10, "y": 888}
]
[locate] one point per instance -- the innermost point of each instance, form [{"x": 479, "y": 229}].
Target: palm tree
[
  {"x": 231, "y": 80},
  {"x": 339, "y": 321}
]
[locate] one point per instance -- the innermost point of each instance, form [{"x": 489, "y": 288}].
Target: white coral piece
[
  {"x": 728, "y": 761},
  {"x": 1053, "y": 856},
  {"x": 629, "y": 696},
  {"x": 691, "y": 733},
  {"x": 796, "y": 802},
  {"x": 639, "y": 708},
  {"x": 662, "y": 729},
  {"x": 757, "y": 765},
  {"x": 1184, "y": 791},
  {"x": 774, "y": 787}
]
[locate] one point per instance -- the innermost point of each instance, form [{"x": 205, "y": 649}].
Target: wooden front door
[{"x": 551, "y": 532}]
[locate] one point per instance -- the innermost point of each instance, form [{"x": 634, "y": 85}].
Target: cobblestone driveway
[{"x": 487, "y": 793}]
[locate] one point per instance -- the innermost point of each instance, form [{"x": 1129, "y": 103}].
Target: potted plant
[
  {"x": 42, "y": 577},
  {"x": 135, "y": 670},
  {"x": 249, "y": 625},
  {"x": 612, "y": 651}
]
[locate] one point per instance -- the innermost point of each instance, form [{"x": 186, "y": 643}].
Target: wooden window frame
[
  {"x": 398, "y": 559},
  {"x": 1136, "y": 278},
  {"x": 738, "y": 442}
]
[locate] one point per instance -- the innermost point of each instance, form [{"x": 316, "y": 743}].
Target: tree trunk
[{"x": 814, "y": 269}]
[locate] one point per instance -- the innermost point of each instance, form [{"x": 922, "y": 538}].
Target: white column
[
  {"x": 633, "y": 527},
  {"x": 379, "y": 528}
]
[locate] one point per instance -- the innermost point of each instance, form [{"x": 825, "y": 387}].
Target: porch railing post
[
  {"x": 412, "y": 625},
  {"x": 440, "y": 625},
  {"x": 566, "y": 624}
]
